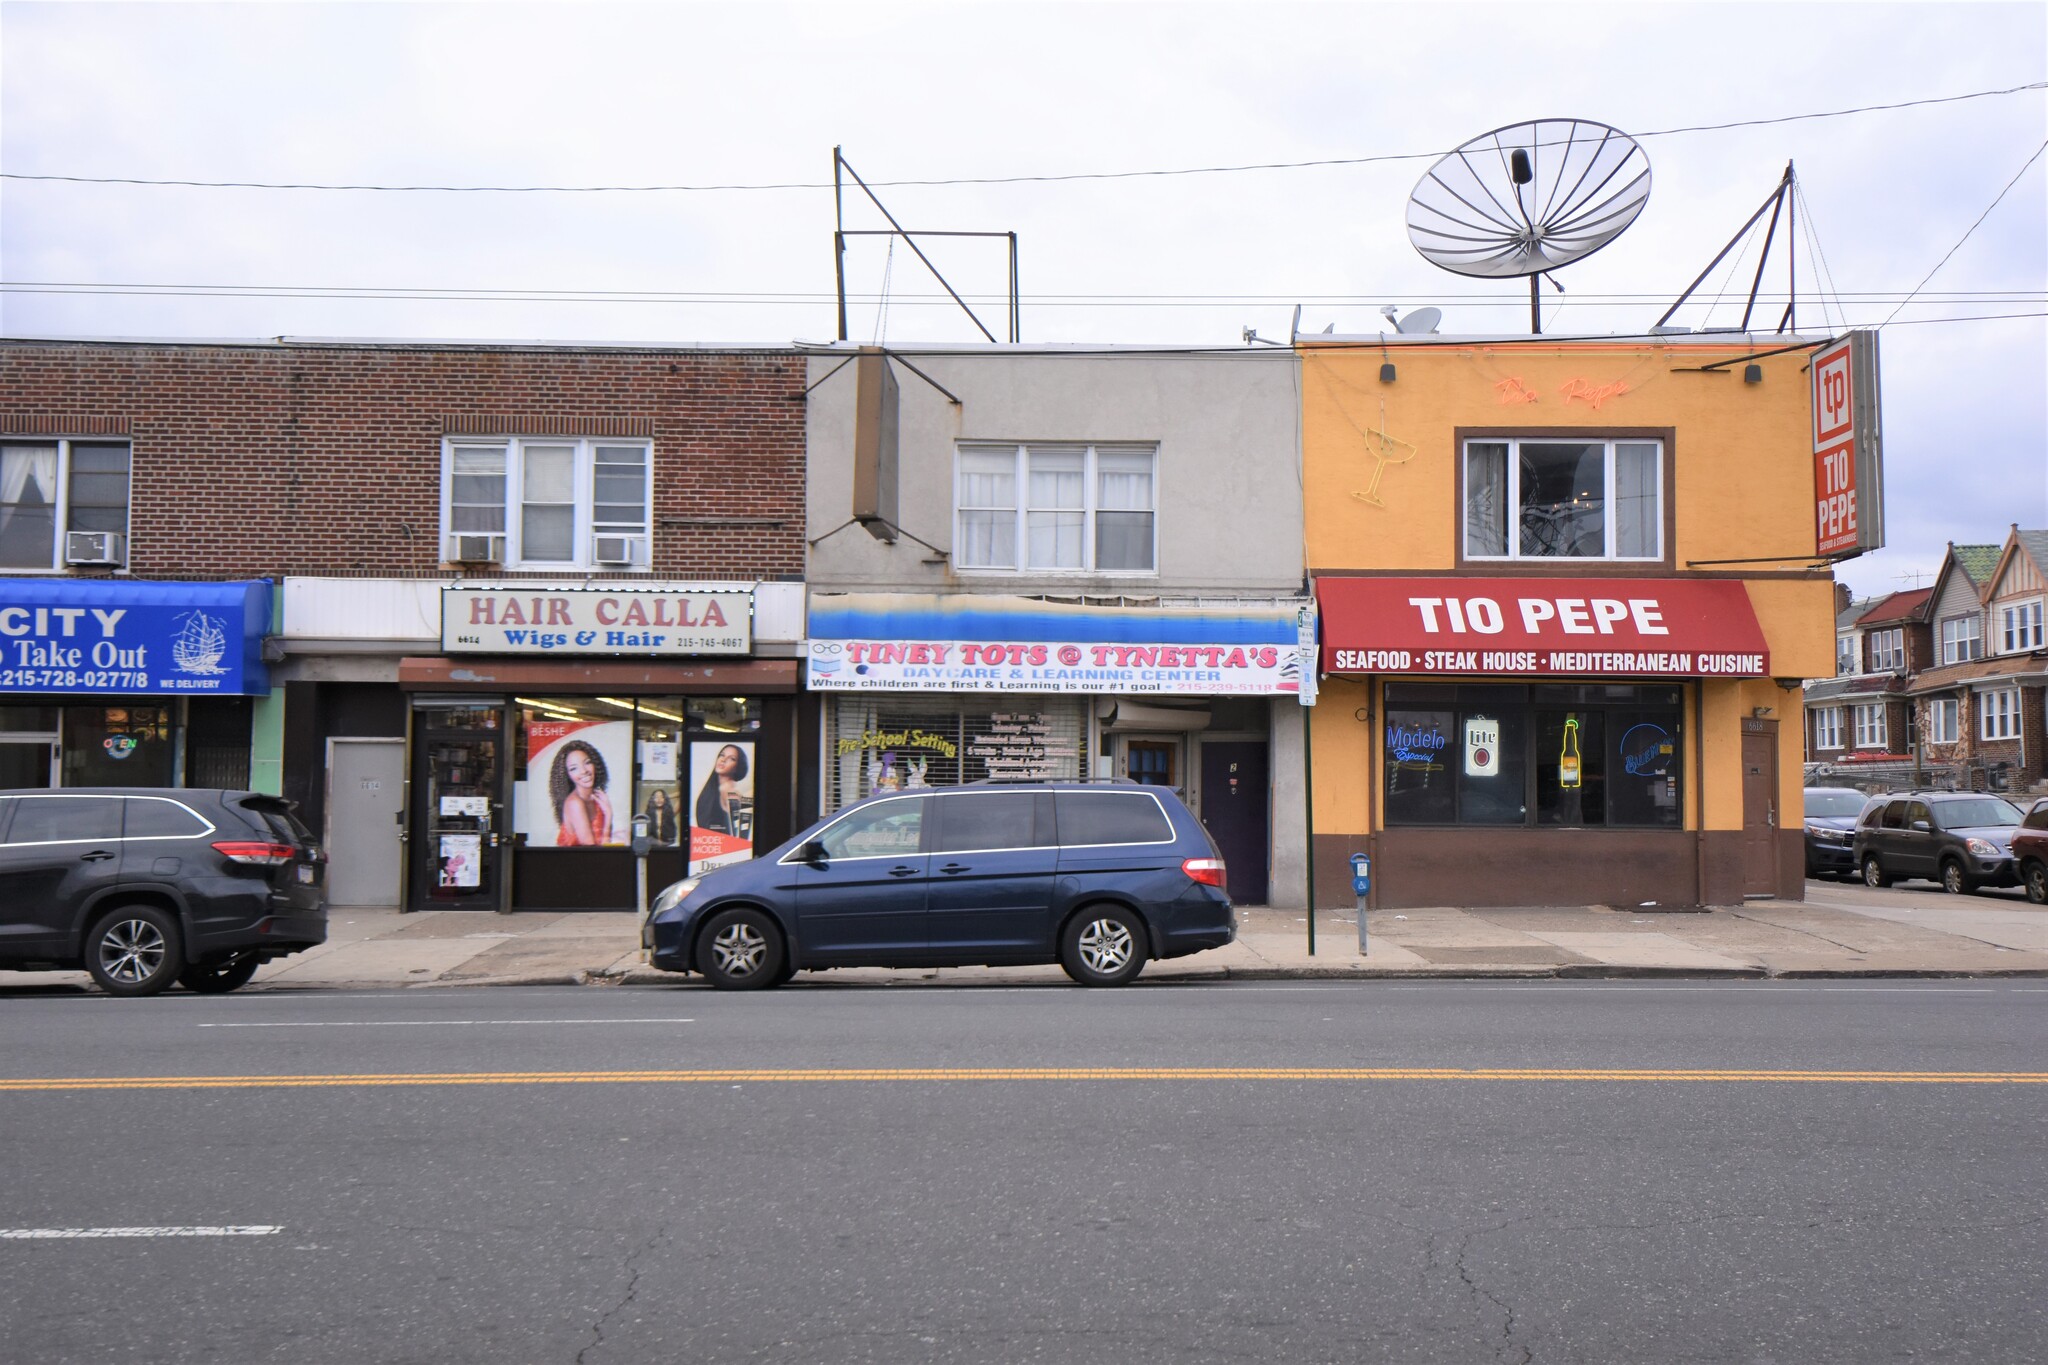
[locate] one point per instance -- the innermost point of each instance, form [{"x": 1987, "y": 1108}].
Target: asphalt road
[{"x": 1547, "y": 1171}]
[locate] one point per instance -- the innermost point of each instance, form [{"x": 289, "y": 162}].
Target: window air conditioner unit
[
  {"x": 95, "y": 548},
  {"x": 615, "y": 549},
  {"x": 476, "y": 549}
]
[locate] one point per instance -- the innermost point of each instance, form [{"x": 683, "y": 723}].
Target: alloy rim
[
  {"x": 2037, "y": 882},
  {"x": 1952, "y": 879},
  {"x": 132, "y": 951},
  {"x": 1106, "y": 946},
  {"x": 738, "y": 949}
]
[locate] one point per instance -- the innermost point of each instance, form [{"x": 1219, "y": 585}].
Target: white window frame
[
  {"x": 1091, "y": 492},
  {"x": 2021, "y": 627},
  {"x": 584, "y": 483},
  {"x": 1888, "y": 649},
  {"x": 1998, "y": 713},
  {"x": 1872, "y": 732},
  {"x": 61, "y": 525},
  {"x": 1827, "y": 727},
  {"x": 1511, "y": 509},
  {"x": 1944, "y": 720},
  {"x": 1962, "y": 639},
  {"x": 1848, "y": 656}
]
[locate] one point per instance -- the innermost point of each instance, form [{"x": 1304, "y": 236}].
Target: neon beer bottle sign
[{"x": 1568, "y": 756}]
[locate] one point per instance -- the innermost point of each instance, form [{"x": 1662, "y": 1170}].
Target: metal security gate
[{"x": 884, "y": 744}]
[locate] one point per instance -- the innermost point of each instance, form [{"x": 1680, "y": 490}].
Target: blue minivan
[{"x": 1098, "y": 877}]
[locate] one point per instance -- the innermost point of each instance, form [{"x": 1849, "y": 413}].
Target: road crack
[{"x": 632, "y": 1269}]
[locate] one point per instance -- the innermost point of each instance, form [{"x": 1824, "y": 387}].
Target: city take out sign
[
  {"x": 523, "y": 620},
  {"x": 1542, "y": 627}
]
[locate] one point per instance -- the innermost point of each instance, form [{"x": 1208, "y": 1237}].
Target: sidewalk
[{"x": 1843, "y": 931}]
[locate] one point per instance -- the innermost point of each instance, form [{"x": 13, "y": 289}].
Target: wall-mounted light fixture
[
  {"x": 1752, "y": 374},
  {"x": 1763, "y": 712},
  {"x": 1387, "y": 373}
]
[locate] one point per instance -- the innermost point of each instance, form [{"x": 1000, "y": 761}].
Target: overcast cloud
[{"x": 751, "y": 94}]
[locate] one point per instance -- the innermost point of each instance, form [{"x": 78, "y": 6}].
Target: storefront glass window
[
  {"x": 899, "y": 744},
  {"x": 118, "y": 746},
  {"x": 1574, "y": 756}
]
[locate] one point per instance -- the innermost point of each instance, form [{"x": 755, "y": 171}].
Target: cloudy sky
[{"x": 757, "y": 95}]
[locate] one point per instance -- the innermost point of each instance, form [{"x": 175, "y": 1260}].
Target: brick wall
[{"x": 265, "y": 460}]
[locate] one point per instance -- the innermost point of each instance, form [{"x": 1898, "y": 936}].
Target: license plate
[{"x": 306, "y": 873}]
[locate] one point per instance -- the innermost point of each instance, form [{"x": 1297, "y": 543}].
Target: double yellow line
[{"x": 884, "y": 1075}]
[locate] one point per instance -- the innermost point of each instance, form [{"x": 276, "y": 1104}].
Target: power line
[
  {"x": 975, "y": 180},
  {"x": 1972, "y": 228}
]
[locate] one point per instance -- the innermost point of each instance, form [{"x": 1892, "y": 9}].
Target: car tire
[
  {"x": 1954, "y": 880},
  {"x": 1873, "y": 872},
  {"x": 219, "y": 977},
  {"x": 137, "y": 950},
  {"x": 741, "y": 950},
  {"x": 1103, "y": 945},
  {"x": 2034, "y": 876}
]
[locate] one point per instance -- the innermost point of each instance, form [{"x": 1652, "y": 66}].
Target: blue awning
[
  {"x": 121, "y": 637},
  {"x": 990, "y": 618}
]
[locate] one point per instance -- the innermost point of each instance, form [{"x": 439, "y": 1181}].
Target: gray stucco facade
[{"x": 1221, "y": 433}]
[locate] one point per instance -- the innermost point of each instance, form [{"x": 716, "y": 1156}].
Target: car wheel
[
  {"x": 741, "y": 950},
  {"x": 2035, "y": 877},
  {"x": 1953, "y": 879},
  {"x": 220, "y": 977},
  {"x": 1873, "y": 872},
  {"x": 1104, "y": 945},
  {"x": 134, "y": 951}
]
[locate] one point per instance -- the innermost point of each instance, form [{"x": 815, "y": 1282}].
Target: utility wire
[
  {"x": 980, "y": 180},
  {"x": 1972, "y": 228}
]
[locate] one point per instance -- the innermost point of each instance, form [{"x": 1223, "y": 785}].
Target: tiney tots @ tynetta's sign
[
  {"x": 1049, "y": 666},
  {"x": 595, "y": 621}
]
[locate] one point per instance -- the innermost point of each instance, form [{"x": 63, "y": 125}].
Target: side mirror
[
  {"x": 812, "y": 852},
  {"x": 1923, "y": 827}
]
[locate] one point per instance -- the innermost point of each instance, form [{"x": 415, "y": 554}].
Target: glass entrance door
[
  {"x": 460, "y": 834},
  {"x": 28, "y": 761}
]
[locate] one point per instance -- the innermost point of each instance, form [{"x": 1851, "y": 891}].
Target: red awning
[{"x": 1543, "y": 627}]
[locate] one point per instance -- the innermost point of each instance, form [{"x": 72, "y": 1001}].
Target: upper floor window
[
  {"x": 1550, "y": 499},
  {"x": 63, "y": 502},
  {"x": 1053, "y": 508},
  {"x": 1962, "y": 639},
  {"x": 2022, "y": 627},
  {"x": 1887, "y": 649},
  {"x": 1845, "y": 655},
  {"x": 545, "y": 502}
]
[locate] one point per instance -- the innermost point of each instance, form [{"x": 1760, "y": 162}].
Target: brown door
[{"x": 1759, "y": 808}]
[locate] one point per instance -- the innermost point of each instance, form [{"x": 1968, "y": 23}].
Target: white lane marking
[
  {"x": 65, "y": 1234},
  {"x": 433, "y": 1023}
]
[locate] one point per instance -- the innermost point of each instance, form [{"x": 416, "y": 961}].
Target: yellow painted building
[{"x": 1568, "y": 589}]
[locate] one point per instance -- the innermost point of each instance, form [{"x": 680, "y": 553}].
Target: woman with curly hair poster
[{"x": 572, "y": 766}]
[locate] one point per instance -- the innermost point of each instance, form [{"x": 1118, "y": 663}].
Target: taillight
[
  {"x": 1207, "y": 871},
  {"x": 255, "y": 853}
]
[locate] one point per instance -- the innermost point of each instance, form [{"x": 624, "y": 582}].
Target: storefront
[
  {"x": 1514, "y": 739},
  {"x": 938, "y": 689},
  {"x": 556, "y": 717},
  {"x": 110, "y": 682}
]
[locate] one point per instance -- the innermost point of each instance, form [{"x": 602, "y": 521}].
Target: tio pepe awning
[{"x": 1541, "y": 627}]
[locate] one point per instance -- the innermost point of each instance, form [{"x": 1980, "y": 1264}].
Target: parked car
[
  {"x": 1831, "y": 830},
  {"x": 1097, "y": 877},
  {"x": 1961, "y": 839},
  {"x": 2030, "y": 852},
  {"x": 146, "y": 886}
]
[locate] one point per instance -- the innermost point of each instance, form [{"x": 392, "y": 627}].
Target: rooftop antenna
[
  {"x": 1527, "y": 199},
  {"x": 1781, "y": 200}
]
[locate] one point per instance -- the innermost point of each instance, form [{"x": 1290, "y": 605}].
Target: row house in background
[
  {"x": 1980, "y": 702},
  {"x": 473, "y": 607},
  {"x": 1862, "y": 714},
  {"x": 1062, "y": 562}
]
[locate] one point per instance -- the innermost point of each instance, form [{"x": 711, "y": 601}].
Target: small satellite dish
[
  {"x": 1421, "y": 320},
  {"x": 1528, "y": 198}
]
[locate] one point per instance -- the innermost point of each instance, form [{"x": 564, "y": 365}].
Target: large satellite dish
[{"x": 1528, "y": 198}]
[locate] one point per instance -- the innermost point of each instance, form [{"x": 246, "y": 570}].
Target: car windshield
[
  {"x": 1824, "y": 801},
  {"x": 1978, "y": 812}
]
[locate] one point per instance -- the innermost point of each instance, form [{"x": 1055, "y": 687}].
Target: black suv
[
  {"x": 1961, "y": 839},
  {"x": 146, "y": 886}
]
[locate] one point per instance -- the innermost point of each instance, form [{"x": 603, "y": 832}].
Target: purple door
[{"x": 1234, "y": 807}]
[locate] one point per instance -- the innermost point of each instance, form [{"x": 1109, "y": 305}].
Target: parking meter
[
  {"x": 1361, "y": 887},
  {"x": 641, "y": 844}
]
